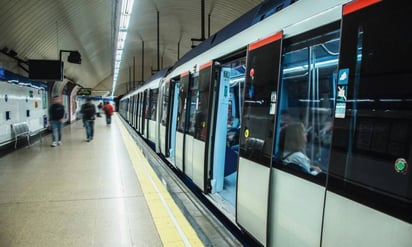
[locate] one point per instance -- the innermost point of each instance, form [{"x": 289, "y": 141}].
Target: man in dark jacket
[
  {"x": 56, "y": 115},
  {"x": 88, "y": 111}
]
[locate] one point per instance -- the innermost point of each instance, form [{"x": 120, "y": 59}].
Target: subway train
[{"x": 295, "y": 121}]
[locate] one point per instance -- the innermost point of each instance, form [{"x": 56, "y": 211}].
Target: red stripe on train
[
  {"x": 204, "y": 66},
  {"x": 357, "y": 5},
  {"x": 265, "y": 41}
]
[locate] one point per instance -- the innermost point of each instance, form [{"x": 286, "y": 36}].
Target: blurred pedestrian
[
  {"x": 56, "y": 115},
  {"x": 88, "y": 111},
  {"x": 108, "y": 111},
  {"x": 99, "y": 109}
]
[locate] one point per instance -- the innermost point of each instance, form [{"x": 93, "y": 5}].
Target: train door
[
  {"x": 143, "y": 113},
  {"x": 158, "y": 117},
  {"x": 181, "y": 128},
  {"x": 169, "y": 117},
  {"x": 134, "y": 112},
  {"x": 139, "y": 112},
  {"x": 369, "y": 195},
  {"x": 226, "y": 108},
  {"x": 134, "y": 117},
  {"x": 172, "y": 123},
  {"x": 163, "y": 118},
  {"x": 256, "y": 135},
  {"x": 199, "y": 128},
  {"x": 305, "y": 103},
  {"x": 126, "y": 108},
  {"x": 152, "y": 135},
  {"x": 192, "y": 109},
  {"x": 147, "y": 112},
  {"x": 130, "y": 110}
]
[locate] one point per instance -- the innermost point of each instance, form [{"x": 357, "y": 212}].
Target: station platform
[{"x": 106, "y": 192}]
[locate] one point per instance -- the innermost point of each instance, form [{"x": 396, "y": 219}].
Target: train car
[
  {"x": 296, "y": 122},
  {"x": 144, "y": 118}
]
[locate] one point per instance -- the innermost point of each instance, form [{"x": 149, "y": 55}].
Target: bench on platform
[{"x": 21, "y": 130}]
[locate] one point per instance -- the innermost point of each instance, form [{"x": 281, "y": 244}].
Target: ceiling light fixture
[{"x": 125, "y": 14}]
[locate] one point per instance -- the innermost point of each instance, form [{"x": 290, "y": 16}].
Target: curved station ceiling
[{"x": 159, "y": 32}]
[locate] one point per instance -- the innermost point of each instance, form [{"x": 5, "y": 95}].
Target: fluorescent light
[
  {"x": 124, "y": 22},
  {"x": 127, "y": 7},
  {"x": 126, "y": 11},
  {"x": 121, "y": 39}
]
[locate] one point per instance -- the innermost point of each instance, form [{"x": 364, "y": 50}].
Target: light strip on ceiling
[{"x": 125, "y": 14}]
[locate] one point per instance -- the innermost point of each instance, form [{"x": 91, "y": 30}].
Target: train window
[
  {"x": 181, "y": 111},
  {"x": 137, "y": 116},
  {"x": 154, "y": 93},
  {"x": 138, "y": 113},
  {"x": 306, "y": 100},
  {"x": 194, "y": 98},
  {"x": 372, "y": 146},
  {"x": 148, "y": 105},
  {"x": 141, "y": 104},
  {"x": 138, "y": 105},
  {"x": 124, "y": 107},
  {"x": 165, "y": 103},
  {"x": 260, "y": 92},
  {"x": 134, "y": 112},
  {"x": 202, "y": 104}
]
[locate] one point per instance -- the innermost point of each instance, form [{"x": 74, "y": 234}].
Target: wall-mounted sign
[
  {"x": 342, "y": 90},
  {"x": 84, "y": 91}
]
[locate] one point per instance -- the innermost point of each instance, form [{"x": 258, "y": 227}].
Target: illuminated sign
[{"x": 84, "y": 91}]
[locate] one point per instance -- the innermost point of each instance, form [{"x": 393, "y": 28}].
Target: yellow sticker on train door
[{"x": 246, "y": 133}]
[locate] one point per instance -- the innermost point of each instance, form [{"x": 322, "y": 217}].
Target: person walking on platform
[
  {"x": 99, "y": 109},
  {"x": 88, "y": 111},
  {"x": 56, "y": 115},
  {"x": 108, "y": 111}
]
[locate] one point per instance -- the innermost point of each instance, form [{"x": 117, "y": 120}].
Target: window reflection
[
  {"x": 293, "y": 142},
  {"x": 165, "y": 103},
  {"x": 182, "y": 101},
  {"x": 199, "y": 105},
  {"x": 153, "y": 104},
  {"x": 306, "y": 103},
  {"x": 259, "y": 105},
  {"x": 374, "y": 132},
  {"x": 194, "y": 99}
]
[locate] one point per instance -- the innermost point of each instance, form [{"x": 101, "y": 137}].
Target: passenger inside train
[
  {"x": 293, "y": 149},
  {"x": 307, "y": 92}
]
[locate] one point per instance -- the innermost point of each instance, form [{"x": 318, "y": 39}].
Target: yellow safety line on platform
[{"x": 173, "y": 228}]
